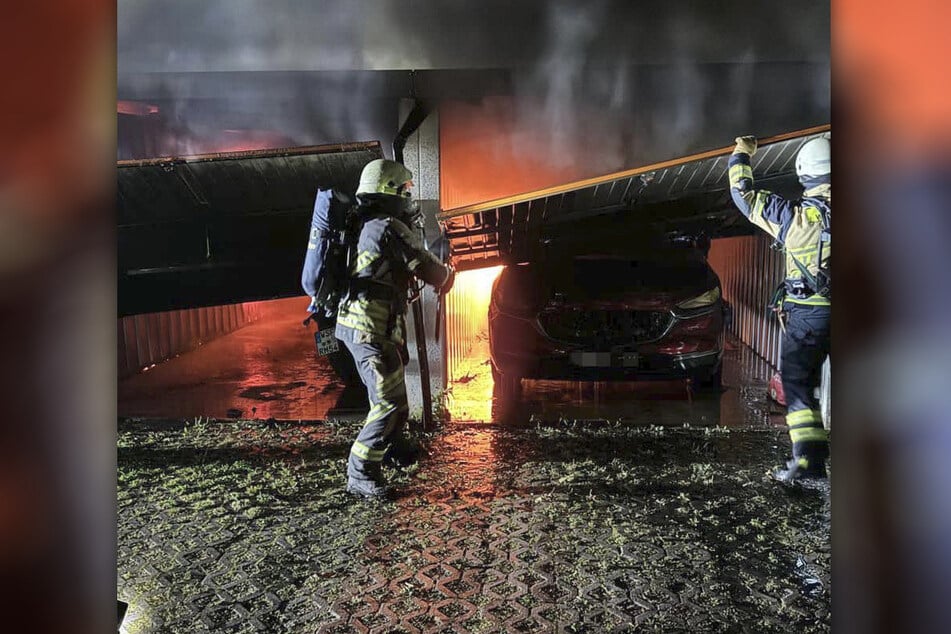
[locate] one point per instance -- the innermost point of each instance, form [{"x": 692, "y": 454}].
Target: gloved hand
[
  {"x": 447, "y": 285},
  {"x": 745, "y": 145},
  {"x": 313, "y": 305}
]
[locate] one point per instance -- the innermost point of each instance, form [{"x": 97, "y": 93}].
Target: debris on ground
[{"x": 244, "y": 526}]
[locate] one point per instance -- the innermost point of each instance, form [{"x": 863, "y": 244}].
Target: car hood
[{"x": 625, "y": 284}]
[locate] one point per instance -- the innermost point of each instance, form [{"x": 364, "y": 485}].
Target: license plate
[
  {"x": 591, "y": 359},
  {"x": 604, "y": 359},
  {"x": 326, "y": 342},
  {"x": 628, "y": 359}
]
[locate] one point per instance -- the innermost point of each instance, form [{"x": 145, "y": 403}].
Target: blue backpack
[{"x": 324, "y": 277}]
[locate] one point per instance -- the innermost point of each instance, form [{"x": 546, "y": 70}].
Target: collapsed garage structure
[
  {"x": 586, "y": 504},
  {"x": 207, "y": 230}
]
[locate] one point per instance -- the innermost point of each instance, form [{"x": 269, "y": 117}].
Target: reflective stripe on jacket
[{"x": 796, "y": 224}]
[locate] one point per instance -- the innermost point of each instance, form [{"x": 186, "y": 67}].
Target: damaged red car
[{"x": 650, "y": 311}]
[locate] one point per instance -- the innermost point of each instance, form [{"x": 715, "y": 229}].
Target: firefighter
[
  {"x": 371, "y": 318},
  {"x": 802, "y": 227}
]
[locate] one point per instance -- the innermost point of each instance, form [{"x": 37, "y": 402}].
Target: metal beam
[{"x": 601, "y": 180}]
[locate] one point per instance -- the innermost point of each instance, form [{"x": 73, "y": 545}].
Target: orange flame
[{"x": 467, "y": 337}]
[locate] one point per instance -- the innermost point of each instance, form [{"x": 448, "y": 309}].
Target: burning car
[{"x": 646, "y": 311}]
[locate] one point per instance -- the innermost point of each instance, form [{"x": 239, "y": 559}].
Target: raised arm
[{"x": 770, "y": 212}]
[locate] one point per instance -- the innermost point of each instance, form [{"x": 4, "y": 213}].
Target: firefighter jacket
[
  {"x": 799, "y": 225},
  {"x": 387, "y": 256}
]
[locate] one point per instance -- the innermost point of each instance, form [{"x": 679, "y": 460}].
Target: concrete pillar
[{"x": 421, "y": 156}]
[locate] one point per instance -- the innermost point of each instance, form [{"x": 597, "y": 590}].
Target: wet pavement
[
  {"x": 742, "y": 401},
  {"x": 583, "y": 508},
  {"x": 265, "y": 370},
  {"x": 270, "y": 370}
]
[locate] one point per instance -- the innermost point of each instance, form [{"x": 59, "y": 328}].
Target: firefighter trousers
[
  {"x": 381, "y": 370},
  {"x": 805, "y": 348}
]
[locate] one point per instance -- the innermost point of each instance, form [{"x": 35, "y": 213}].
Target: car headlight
[{"x": 702, "y": 300}]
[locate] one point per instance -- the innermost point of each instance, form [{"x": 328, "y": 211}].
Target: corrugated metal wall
[
  {"x": 467, "y": 316},
  {"x": 749, "y": 271},
  {"x": 155, "y": 337}
]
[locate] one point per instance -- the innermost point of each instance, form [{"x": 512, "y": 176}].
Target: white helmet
[
  {"x": 387, "y": 184},
  {"x": 387, "y": 178},
  {"x": 814, "y": 158}
]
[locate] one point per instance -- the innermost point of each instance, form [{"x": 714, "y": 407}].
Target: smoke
[
  {"x": 239, "y": 35},
  {"x": 222, "y": 112},
  {"x": 686, "y": 118},
  {"x": 241, "y": 74},
  {"x": 549, "y": 96},
  {"x": 596, "y": 86},
  {"x": 614, "y": 87}
]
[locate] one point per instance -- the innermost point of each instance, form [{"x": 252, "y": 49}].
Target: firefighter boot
[
  {"x": 368, "y": 488},
  {"x": 797, "y": 469},
  {"x": 366, "y": 480},
  {"x": 805, "y": 467}
]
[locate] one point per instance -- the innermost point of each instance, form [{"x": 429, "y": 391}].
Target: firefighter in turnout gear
[
  {"x": 802, "y": 227},
  {"x": 386, "y": 257}
]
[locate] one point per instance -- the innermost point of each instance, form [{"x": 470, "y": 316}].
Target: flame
[{"x": 467, "y": 337}]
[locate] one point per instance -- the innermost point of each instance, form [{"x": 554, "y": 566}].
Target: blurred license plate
[
  {"x": 591, "y": 359},
  {"x": 604, "y": 359},
  {"x": 628, "y": 359},
  {"x": 326, "y": 342}
]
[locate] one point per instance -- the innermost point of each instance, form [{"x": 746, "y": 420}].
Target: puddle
[
  {"x": 741, "y": 403},
  {"x": 265, "y": 370}
]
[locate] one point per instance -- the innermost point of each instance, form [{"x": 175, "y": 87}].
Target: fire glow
[
  {"x": 467, "y": 337},
  {"x": 136, "y": 108}
]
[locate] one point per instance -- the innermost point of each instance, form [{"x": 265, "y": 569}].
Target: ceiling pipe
[{"x": 413, "y": 120}]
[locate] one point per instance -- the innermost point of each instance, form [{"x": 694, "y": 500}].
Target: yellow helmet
[{"x": 388, "y": 178}]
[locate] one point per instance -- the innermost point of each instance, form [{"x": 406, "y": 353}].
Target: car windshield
[{"x": 664, "y": 270}]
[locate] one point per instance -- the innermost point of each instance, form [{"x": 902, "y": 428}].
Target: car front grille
[{"x": 611, "y": 327}]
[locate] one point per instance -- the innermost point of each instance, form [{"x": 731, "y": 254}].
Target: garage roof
[
  {"x": 223, "y": 228},
  {"x": 689, "y": 193}
]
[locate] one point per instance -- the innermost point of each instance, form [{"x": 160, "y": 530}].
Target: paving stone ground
[{"x": 562, "y": 526}]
